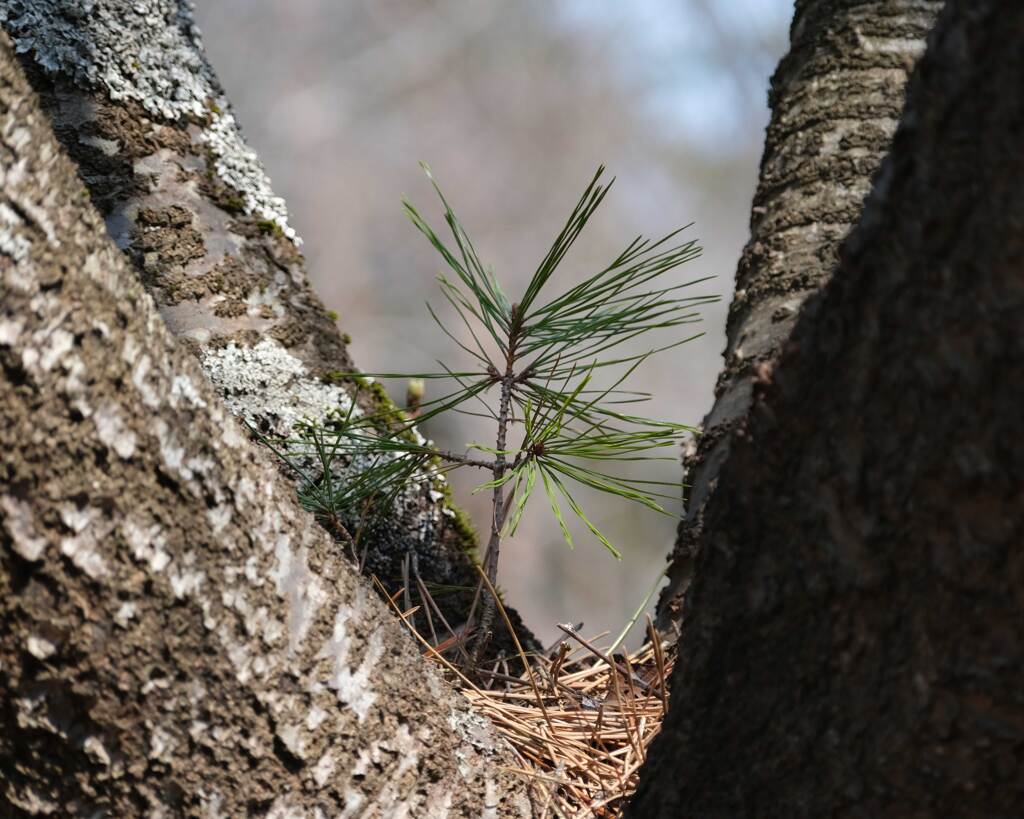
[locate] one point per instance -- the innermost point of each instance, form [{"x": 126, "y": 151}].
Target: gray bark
[
  {"x": 835, "y": 100},
  {"x": 855, "y": 629},
  {"x": 176, "y": 636},
  {"x": 136, "y": 105}
]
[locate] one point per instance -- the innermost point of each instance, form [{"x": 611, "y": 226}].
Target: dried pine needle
[{"x": 579, "y": 723}]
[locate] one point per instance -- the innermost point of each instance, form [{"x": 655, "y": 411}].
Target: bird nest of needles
[{"x": 578, "y": 718}]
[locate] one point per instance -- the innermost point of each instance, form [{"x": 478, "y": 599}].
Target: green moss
[
  {"x": 346, "y": 338},
  {"x": 268, "y": 227},
  {"x": 233, "y": 204},
  {"x": 385, "y": 406},
  {"x": 332, "y": 315}
]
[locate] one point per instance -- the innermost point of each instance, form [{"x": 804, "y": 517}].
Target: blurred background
[{"x": 514, "y": 105}]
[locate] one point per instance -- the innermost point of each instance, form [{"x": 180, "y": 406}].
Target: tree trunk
[
  {"x": 135, "y": 104},
  {"x": 835, "y": 100},
  {"x": 855, "y": 625},
  {"x": 176, "y": 636}
]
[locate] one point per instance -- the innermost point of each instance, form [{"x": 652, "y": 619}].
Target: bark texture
[
  {"x": 177, "y": 638},
  {"x": 136, "y": 105},
  {"x": 835, "y": 99},
  {"x": 856, "y": 621}
]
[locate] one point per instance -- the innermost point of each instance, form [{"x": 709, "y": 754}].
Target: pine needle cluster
[{"x": 548, "y": 371}]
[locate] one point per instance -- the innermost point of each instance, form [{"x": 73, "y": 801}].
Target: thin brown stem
[
  {"x": 499, "y": 507},
  {"x": 462, "y": 460}
]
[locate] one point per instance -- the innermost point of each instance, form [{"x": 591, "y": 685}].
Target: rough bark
[
  {"x": 139, "y": 109},
  {"x": 855, "y": 625},
  {"x": 177, "y": 638},
  {"x": 835, "y": 101}
]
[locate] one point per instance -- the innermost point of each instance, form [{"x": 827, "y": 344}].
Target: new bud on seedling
[{"x": 414, "y": 392}]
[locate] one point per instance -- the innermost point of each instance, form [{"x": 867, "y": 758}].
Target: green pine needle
[{"x": 548, "y": 351}]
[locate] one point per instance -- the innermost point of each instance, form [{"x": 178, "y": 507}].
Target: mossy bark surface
[
  {"x": 177, "y": 637},
  {"x": 855, "y": 624}
]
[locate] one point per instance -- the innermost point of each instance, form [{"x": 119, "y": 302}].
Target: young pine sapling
[{"x": 542, "y": 358}]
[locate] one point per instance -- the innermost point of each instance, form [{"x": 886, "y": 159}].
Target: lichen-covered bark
[
  {"x": 835, "y": 100},
  {"x": 855, "y": 630},
  {"x": 136, "y": 105},
  {"x": 177, "y": 638}
]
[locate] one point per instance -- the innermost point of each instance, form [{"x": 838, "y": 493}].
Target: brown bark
[
  {"x": 177, "y": 638},
  {"x": 136, "y": 105},
  {"x": 855, "y": 629},
  {"x": 835, "y": 100}
]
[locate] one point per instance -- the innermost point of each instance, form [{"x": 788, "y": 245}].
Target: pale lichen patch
[
  {"x": 315, "y": 717},
  {"x": 147, "y": 544},
  {"x": 56, "y": 345},
  {"x": 124, "y": 614},
  {"x": 474, "y": 729},
  {"x": 352, "y": 687},
  {"x": 85, "y": 546},
  {"x": 161, "y": 744},
  {"x": 95, "y": 750},
  {"x": 237, "y": 164},
  {"x": 19, "y": 522},
  {"x": 152, "y": 54},
  {"x": 185, "y": 578},
  {"x": 266, "y": 384},
  {"x": 183, "y": 388},
  {"x": 113, "y": 432},
  {"x": 40, "y": 647},
  {"x": 353, "y": 802},
  {"x": 10, "y": 329},
  {"x": 219, "y": 517},
  {"x": 296, "y": 584},
  {"x": 140, "y": 373},
  {"x": 285, "y": 807},
  {"x": 324, "y": 768}
]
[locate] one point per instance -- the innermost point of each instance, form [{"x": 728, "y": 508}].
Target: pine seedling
[{"x": 547, "y": 370}]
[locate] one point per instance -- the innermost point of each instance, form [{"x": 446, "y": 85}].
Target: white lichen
[
  {"x": 124, "y": 614},
  {"x": 40, "y": 647},
  {"x": 315, "y": 717},
  {"x": 54, "y": 348},
  {"x": 239, "y": 167},
  {"x": 284, "y": 807},
  {"x": 324, "y": 768},
  {"x": 184, "y": 577},
  {"x": 296, "y": 584},
  {"x": 10, "y": 329},
  {"x": 147, "y": 544},
  {"x": 95, "y": 750},
  {"x": 352, "y": 687},
  {"x": 219, "y": 517},
  {"x": 140, "y": 373},
  {"x": 84, "y": 549},
  {"x": 473, "y": 728},
  {"x": 266, "y": 384},
  {"x": 19, "y": 522},
  {"x": 113, "y": 432},
  {"x": 149, "y": 52},
  {"x": 183, "y": 388},
  {"x": 161, "y": 744}
]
